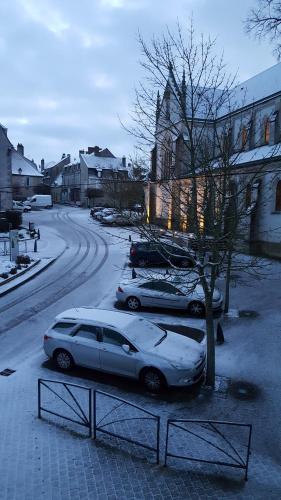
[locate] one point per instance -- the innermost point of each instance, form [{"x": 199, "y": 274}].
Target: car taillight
[
  {"x": 120, "y": 289},
  {"x": 133, "y": 251},
  {"x": 47, "y": 337}
]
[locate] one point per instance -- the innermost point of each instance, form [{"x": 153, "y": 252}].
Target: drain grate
[{"x": 7, "y": 372}]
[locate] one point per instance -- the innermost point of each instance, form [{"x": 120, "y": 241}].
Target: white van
[{"x": 40, "y": 201}]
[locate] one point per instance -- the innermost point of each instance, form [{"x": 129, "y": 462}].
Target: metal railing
[
  {"x": 69, "y": 400},
  {"x": 121, "y": 403},
  {"x": 209, "y": 434}
]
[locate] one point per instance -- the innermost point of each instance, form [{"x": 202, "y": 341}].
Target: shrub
[
  {"x": 23, "y": 259},
  {"x": 14, "y": 217},
  {"x": 18, "y": 266},
  {"x": 4, "y": 276},
  {"x": 13, "y": 270}
]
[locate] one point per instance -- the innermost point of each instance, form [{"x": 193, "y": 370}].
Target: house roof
[
  {"x": 102, "y": 162},
  {"x": 23, "y": 166}
]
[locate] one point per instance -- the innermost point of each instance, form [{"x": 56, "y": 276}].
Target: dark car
[{"x": 150, "y": 253}]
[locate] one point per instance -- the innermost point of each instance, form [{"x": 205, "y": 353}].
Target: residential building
[
  {"x": 26, "y": 178},
  {"x": 86, "y": 181},
  {"x": 252, "y": 128},
  {"x": 6, "y": 199}
]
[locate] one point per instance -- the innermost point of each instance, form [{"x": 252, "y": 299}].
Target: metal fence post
[
  {"x": 95, "y": 415},
  {"x": 248, "y": 453},
  {"x": 90, "y": 412},
  {"x": 166, "y": 445},
  {"x": 158, "y": 441},
  {"x": 39, "y": 398}
]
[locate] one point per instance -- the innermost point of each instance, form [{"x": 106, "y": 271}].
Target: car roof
[{"x": 108, "y": 317}]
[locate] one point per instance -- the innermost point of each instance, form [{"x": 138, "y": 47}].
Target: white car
[
  {"x": 103, "y": 213},
  {"x": 124, "y": 344},
  {"x": 18, "y": 205},
  {"x": 153, "y": 292}
]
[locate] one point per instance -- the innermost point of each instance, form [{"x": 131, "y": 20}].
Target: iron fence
[
  {"x": 69, "y": 400},
  {"x": 210, "y": 438},
  {"x": 122, "y": 422}
]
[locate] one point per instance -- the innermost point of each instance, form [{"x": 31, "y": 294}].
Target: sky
[{"x": 69, "y": 67}]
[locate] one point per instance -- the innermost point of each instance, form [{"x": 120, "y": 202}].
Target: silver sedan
[
  {"x": 161, "y": 293},
  {"x": 124, "y": 344}
]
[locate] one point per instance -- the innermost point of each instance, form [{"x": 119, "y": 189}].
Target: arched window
[
  {"x": 278, "y": 197},
  {"x": 167, "y": 157},
  {"x": 266, "y": 131},
  {"x": 244, "y": 136},
  {"x": 248, "y": 198}
]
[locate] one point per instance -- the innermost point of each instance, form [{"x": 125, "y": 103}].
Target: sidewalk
[{"x": 49, "y": 248}]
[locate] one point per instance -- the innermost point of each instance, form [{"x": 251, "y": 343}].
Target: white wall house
[{"x": 26, "y": 178}]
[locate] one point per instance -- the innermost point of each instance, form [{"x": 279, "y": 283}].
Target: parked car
[
  {"x": 147, "y": 253},
  {"x": 153, "y": 292},
  {"x": 40, "y": 201},
  {"x": 124, "y": 344},
  {"x": 116, "y": 219},
  {"x": 94, "y": 210},
  {"x": 18, "y": 205},
  {"x": 104, "y": 212}
]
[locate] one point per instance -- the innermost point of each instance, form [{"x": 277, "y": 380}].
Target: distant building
[
  {"x": 6, "y": 200},
  {"x": 84, "y": 181},
  {"x": 26, "y": 178}
]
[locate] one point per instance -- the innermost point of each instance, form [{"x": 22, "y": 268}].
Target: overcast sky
[{"x": 69, "y": 67}]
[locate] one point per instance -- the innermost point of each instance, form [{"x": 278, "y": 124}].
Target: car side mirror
[{"x": 126, "y": 348}]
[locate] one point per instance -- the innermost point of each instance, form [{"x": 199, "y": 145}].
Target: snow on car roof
[
  {"x": 139, "y": 331},
  {"x": 110, "y": 318}
]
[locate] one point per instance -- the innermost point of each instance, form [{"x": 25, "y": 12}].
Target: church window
[
  {"x": 278, "y": 197},
  {"x": 266, "y": 131}
]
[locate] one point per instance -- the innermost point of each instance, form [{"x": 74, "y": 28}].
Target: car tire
[
  {"x": 142, "y": 263},
  {"x": 133, "y": 303},
  {"x": 153, "y": 380},
  {"x": 197, "y": 309},
  {"x": 186, "y": 263},
  {"x": 63, "y": 359}
]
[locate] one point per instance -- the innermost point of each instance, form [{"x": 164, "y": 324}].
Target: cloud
[
  {"x": 69, "y": 67},
  {"x": 45, "y": 13}
]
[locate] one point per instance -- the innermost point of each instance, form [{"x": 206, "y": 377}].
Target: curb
[
  {"x": 29, "y": 278},
  {"x": 7, "y": 280}
]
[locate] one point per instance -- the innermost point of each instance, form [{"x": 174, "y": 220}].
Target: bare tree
[
  {"x": 265, "y": 20},
  {"x": 196, "y": 179}
]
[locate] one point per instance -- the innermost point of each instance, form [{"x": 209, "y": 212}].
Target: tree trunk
[
  {"x": 211, "y": 364},
  {"x": 227, "y": 282}
]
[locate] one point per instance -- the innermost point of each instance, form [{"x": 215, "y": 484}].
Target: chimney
[
  {"x": 63, "y": 156},
  {"x": 42, "y": 165},
  {"x": 124, "y": 161},
  {"x": 20, "y": 149},
  {"x": 81, "y": 151},
  {"x": 94, "y": 149}
]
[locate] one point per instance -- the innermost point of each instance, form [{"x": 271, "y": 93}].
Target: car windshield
[{"x": 144, "y": 334}]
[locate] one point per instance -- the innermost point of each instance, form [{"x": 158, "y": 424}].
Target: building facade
[
  {"x": 26, "y": 178},
  {"x": 87, "y": 181},
  {"x": 6, "y": 199},
  {"x": 253, "y": 132}
]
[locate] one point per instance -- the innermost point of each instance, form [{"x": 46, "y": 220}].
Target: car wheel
[
  {"x": 153, "y": 380},
  {"x": 133, "y": 303},
  {"x": 186, "y": 263},
  {"x": 142, "y": 263},
  {"x": 196, "y": 309},
  {"x": 25, "y": 210},
  {"x": 63, "y": 359}
]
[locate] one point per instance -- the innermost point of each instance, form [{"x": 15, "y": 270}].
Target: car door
[
  {"x": 113, "y": 357},
  {"x": 167, "y": 295},
  {"x": 86, "y": 346}
]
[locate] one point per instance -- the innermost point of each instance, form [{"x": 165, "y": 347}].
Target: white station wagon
[{"x": 124, "y": 344}]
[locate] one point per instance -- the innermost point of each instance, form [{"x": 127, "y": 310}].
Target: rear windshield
[{"x": 63, "y": 327}]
